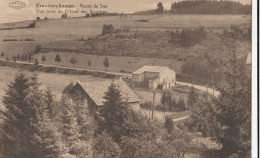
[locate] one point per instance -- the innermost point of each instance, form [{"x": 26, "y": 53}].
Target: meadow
[
  {"x": 48, "y": 32},
  {"x": 116, "y": 63},
  {"x": 75, "y": 28}
]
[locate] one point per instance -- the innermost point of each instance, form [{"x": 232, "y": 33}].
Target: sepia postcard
[{"x": 128, "y": 79}]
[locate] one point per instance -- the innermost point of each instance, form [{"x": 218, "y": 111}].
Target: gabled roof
[
  {"x": 249, "y": 58},
  {"x": 96, "y": 90},
  {"x": 148, "y": 68},
  {"x": 68, "y": 88}
]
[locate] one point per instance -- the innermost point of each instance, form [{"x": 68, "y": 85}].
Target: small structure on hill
[
  {"x": 92, "y": 93},
  {"x": 108, "y": 29},
  {"x": 154, "y": 77}
]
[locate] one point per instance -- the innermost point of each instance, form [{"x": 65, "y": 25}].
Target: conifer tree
[
  {"x": 192, "y": 97},
  {"x": 16, "y": 117},
  {"x": 113, "y": 113},
  {"x": 169, "y": 124},
  {"x": 51, "y": 104},
  {"x": 105, "y": 147},
  {"x": 106, "y": 63},
  {"x": 48, "y": 139},
  {"x": 71, "y": 131}
]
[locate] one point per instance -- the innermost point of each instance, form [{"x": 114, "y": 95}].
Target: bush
[
  {"x": 146, "y": 105},
  {"x": 50, "y": 69}
]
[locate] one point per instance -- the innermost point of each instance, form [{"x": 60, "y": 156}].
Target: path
[
  {"x": 202, "y": 88},
  {"x": 159, "y": 115}
]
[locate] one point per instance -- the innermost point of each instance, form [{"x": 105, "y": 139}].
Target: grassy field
[
  {"x": 116, "y": 63},
  {"x": 47, "y": 32},
  {"x": 56, "y": 81}
]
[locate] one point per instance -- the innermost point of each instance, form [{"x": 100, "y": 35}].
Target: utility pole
[
  {"x": 153, "y": 103},
  {"x": 212, "y": 78}
]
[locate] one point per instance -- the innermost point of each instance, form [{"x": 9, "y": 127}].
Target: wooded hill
[{"x": 205, "y": 7}]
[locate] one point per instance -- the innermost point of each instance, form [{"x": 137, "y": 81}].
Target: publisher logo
[{"x": 17, "y": 4}]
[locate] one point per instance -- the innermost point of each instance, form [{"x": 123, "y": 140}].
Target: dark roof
[
  {"x": 96, "y": 90},
  {"x": 68, "y": 88}
]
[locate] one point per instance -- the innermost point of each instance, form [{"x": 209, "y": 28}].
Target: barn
[
  {"x": 92, "y": 93},
  {"x": 154, "y": 77}
]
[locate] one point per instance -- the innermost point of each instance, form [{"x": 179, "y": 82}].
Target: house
[
  {"x": 92, "y": 93},
  {"x": 154, "y": 77},
  {"x": 249, "y": 63}
]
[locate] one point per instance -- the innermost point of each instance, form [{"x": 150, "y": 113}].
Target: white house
[{"x": 154, "y": 76}]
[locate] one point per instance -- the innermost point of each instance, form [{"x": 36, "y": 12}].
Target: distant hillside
[
  {"x": 147, "y": 12},
  {"x": 210, "y": 7},
  {"x": 204, "y": 7}
]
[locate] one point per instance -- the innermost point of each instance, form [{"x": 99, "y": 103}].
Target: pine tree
[
  {"x": 43, "y": 59},
  {"x": 36, "y": 62},
  {"x": 57, "y": 58},
  {"x": 192, "y": 97},
  {"x": 2, "y": 54},
  {"x": 106, "y": 63},
  {"x": 16, "y": 119},
  {"x": 181, "y": 106},
  {"x": 71, "y": 131},
  {"x": 105, "y": 147},
  {"x": 73, "y": 61},
  {"x": 48, "y": 139},
  {"x": 22, "y": 101},
  {"x": 113, "y": 113}
]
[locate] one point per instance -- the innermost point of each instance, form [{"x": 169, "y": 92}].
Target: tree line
[
  {"x": 210, "y": 7},
  {"x": 29, "y": 58},
  {"x": 202, "y": 7}
]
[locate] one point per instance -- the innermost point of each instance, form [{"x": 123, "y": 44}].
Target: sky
[{"x": 127, "y": 6}]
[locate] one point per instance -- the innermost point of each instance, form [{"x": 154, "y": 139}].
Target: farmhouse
[
  {"x": 154, "y": 77},
  {"x": 92, "y": 93}
]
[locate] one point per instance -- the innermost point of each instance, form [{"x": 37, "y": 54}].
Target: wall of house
[
  {"x": 77, "y": 94},
  {"x": 167, "y": 76},
  {"x": 153, "y": 84},
  {"x": 138, "y": 77},
  {"x": 150, "y": 75}
]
